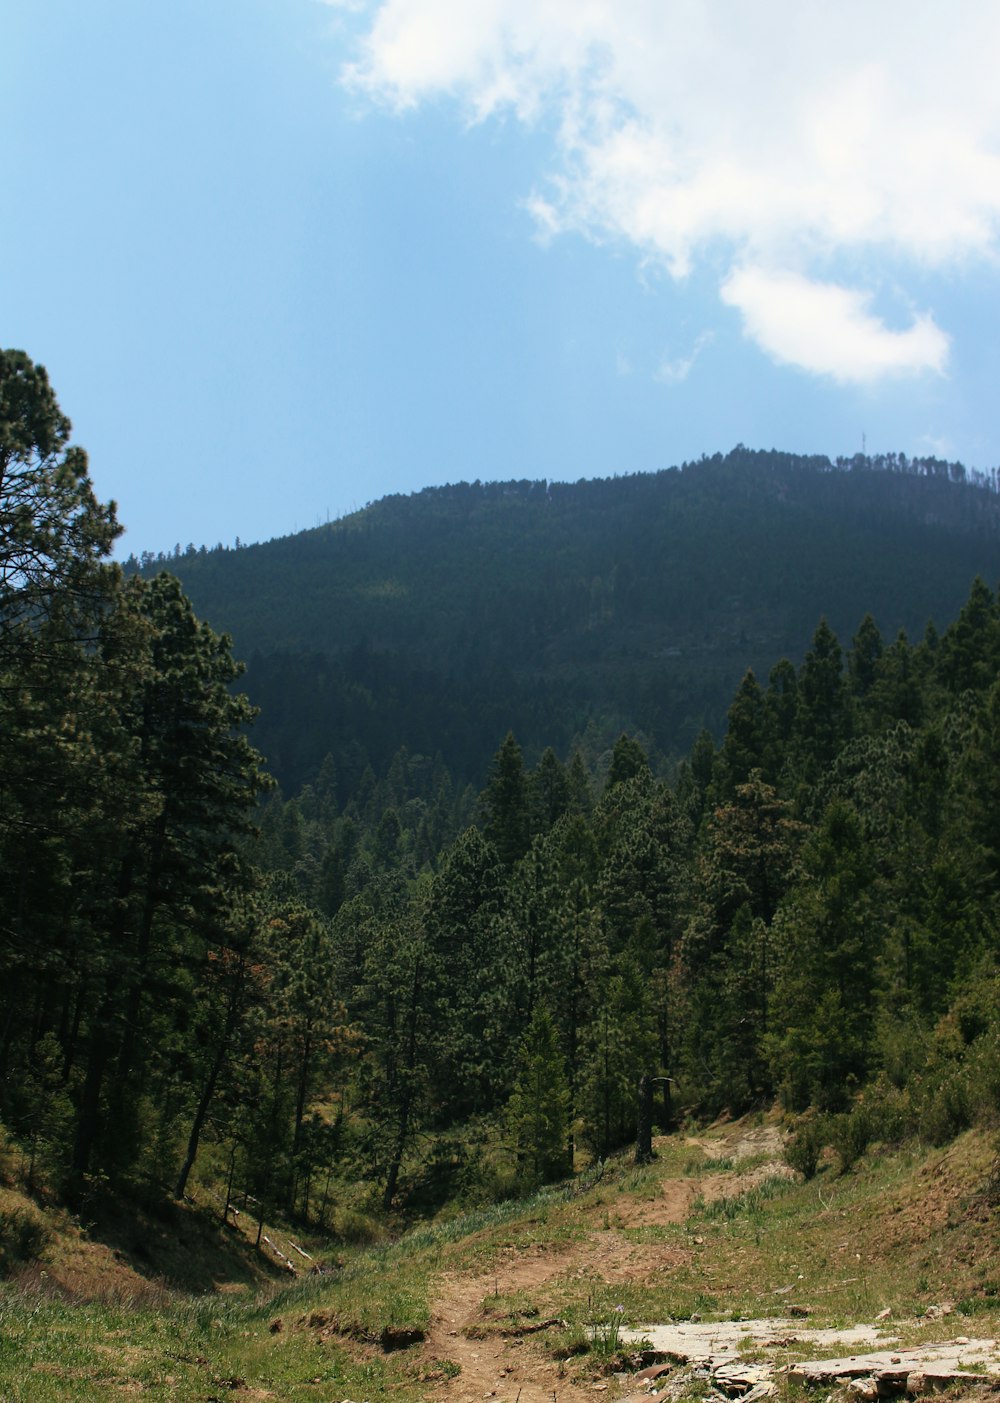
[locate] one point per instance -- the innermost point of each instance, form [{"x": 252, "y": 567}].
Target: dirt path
[
  {"x": 509, "y": 1365},
  {"x": 505, "y": 1367}
]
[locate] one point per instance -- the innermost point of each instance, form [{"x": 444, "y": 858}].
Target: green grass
[
  {"x": 331, "y": 1328},
  {"x": 902, "y": 1231},
  {"x": 749, "y": 1204},
  {"x": 55, "y": 1351}
]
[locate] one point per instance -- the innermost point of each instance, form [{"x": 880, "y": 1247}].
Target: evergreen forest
[
  {"x": 433, "y": 965},
  {"x": 570, "y": 613}
]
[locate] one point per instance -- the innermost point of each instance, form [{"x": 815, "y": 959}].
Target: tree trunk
[
  {"x": 233, "y": 1010},
  {"x": 403, "y": 1124},
  {"x": 208, "y": 1091},
  {"x": 644, "y": 1125},
  {"x": 89, "y": 1118}
]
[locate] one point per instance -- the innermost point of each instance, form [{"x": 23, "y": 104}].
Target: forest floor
[{"x": 523, "y": 1303}]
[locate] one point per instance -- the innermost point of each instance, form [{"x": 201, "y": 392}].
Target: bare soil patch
[{"x": 511, "y": 1361}]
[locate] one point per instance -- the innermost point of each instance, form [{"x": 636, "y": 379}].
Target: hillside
[
  {"x": 440, "y": 620},
  {"x": 295, "y": 1027},
  {"x": 524, "y": 1301}
]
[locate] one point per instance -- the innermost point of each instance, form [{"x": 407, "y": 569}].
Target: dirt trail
[
  {"x": 506, "y": 1367},
  {"x": 511, "y": 1366},
  {"x": 513, "y": 1362}
]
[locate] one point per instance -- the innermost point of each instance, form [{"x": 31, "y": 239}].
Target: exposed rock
[
  {"x": 695, "y": 1341},
  {"x": 920, "y": 1370},
  {"x": 937, "y": 1311},
  {"x": 739, "y": 1380},
  {"x": 765, "y": 1389},
  {"x": 653, "y": 1372},
  {"x": 711, "y": 1350}
]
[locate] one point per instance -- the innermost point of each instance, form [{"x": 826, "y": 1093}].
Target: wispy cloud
[
  {"x": 778, "y": 135},
  {"x": 675, "y": 371},
  {"x": 940, "y": 446}
]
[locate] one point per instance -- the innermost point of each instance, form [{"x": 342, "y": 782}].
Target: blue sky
[{"x": 282, "y": 257}]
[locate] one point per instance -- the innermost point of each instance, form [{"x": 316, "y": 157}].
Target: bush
[
  {"x": 946, "y": 1113},
  {"x": 983, "y": 1081},
  {"x": 805, "y": 1147},
  {"x": 850, "y": 1134},
  {"x": 891, "y": 1113},
  {"x": 23, "y": 1237}
]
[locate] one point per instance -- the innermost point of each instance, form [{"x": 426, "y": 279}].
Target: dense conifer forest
[
  {"x": 395, "y": 983},
  {"x": 571, "y": 612}
]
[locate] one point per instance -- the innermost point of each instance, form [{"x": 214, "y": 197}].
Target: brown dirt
[
  {"x": 510, "y": 1365},
  {"x": 469, "y": 1355},
  {"x": 742, "y": 1143}
]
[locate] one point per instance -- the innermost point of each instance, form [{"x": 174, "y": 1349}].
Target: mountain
[{"x": 571, "y": 611}]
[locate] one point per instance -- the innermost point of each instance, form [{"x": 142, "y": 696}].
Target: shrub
[
  {"x": 891, "y": 1113},
  {"x": 23, "y": 1237},
  {"x": 804, "y": 1148},
  {"x": 850, "y": 1134},
  {"x": 946, "y": 1113}
]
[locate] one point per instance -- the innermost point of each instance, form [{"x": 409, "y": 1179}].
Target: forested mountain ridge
[
  {"x": 400, "y": 994},
  {"x": 437, "y": 621}
]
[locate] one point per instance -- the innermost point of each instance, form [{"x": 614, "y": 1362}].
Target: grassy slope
[{"x": 906, "y": 1230}]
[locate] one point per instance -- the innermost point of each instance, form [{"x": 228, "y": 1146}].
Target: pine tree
[
  {"x": 745, "y": 746},
  {"x": 396, "y": 1006},
  {"x": 863, "y": 659},
  {"x": 830, "y": 953},
  {"x": 505, "y": 804},
  {"x": 628, "y": 761},
  {"x": 176, "y": 856},
  {"x": 968, "y": 651},
  {"x": 54, "y": 533},
  {"x": 823, "y": 718},
  {"x": 549, "y": 792},
  {"x": 537, "y": 1114},
  {"x": 619, "y": 1045}
]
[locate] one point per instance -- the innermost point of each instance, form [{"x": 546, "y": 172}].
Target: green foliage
[
  {"x": 506, "y": 804},
  {"x": 804, "y": 1148},
  {"x": 850, "y": 1133},
  {"x": 750, "y": 1204},
  {"x": 403, "y": 967},
  {"x": 802, "y": 938},
  {"x": 606, "y": 1333},
  {"x": 23, "y": 1237},
  {"x": 53, "y": 531},
  {"x": 128, "y": 797},
  {"x": 442, "y": 620},
  {"x": 537, "y": 1114},
  {"x": 618, "y": 1045}
]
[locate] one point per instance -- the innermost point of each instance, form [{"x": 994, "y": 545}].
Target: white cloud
[
  {"x": 675, "y": 371},
  {"x": 829, "y": 329},
  {"x": 939, "y": 446},
  {"x": 778, "y": 135}
]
